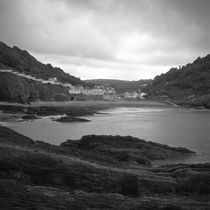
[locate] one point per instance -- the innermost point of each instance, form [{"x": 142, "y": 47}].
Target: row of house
[
  {"x": 52, "y": 80},
  {"x": 134, "y": 95},
  {"x": 75, "y": 90},
  {"x": 97, "y": 90},
  {"x": 101, "y": 91}
]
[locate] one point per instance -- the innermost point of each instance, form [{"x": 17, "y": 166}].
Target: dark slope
[
  {"x": 190, "y": 83},
  {"x": 23, "y": 62},
  {"x": 19, "y": 89}
]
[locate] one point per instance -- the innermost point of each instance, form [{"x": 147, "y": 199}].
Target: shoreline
[
  {"x": 88, "y": 103},
  {"x": 100, "y": 104},
  {"x": 98, "y": 171},
  {"x": 87, "y": 107},
  {"x": 65, "y": 112},
  {"x": 13, "y": 111}
]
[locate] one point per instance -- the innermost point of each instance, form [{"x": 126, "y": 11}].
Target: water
[{"x": 188, "y": 128}]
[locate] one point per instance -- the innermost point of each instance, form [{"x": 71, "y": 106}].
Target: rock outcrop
[
  {"x": 37, "y": 175},
  {"x": 123, "y": 149},
  {"x": 68, "y": 119}
]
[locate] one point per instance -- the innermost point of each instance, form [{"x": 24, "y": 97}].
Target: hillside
[
  {"x": 121, "y": 86},
  {"x": 190, "y": 83},
  {"x": 23, "y": 62},
  {"x": 16, "y": 89}
]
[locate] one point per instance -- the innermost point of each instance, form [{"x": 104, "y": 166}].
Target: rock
[
  {"x": 44, "y": 176},
  {"x": 9, "y": 136},
  {"x": 130, "y": 186},
  {"x": 30, "y": 117},
  {"x": 71, "y": 119},
  {"x": 192, "y": 178},
  {"x": 73, "y": 111},
  {"x": 124, "y": 149},
  {"x": 123, "y": 156}
]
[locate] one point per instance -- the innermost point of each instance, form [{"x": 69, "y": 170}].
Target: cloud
[{"x": 114, "y": 38}]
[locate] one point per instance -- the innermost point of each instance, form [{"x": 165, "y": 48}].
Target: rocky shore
[
  {"x": 98, "y": 172},
  {"x": 73, "y": 112},
  {"x": 69, "y": 119}
]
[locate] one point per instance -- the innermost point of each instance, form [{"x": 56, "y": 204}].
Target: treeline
[
  {"x": 189, "y": 82},
  {"x": 122, "y": 86}
]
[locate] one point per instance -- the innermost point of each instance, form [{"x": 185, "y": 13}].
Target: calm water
[{"x": 188, "y": 128}]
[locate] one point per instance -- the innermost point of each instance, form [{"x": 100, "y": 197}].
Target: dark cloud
[{"x": 135, "y": 36}]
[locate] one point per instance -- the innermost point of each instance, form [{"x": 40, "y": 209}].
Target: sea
[{"x": 179, "y": 127}]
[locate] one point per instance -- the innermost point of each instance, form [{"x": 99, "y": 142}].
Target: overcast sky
[{"x": 121, "y": 39}]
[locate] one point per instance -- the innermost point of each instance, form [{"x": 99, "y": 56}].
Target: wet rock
[
  {"x": 30, "y": 117},
  {"x": 71, "y": 119}
]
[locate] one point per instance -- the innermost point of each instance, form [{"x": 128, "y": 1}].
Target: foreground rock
[
  {"x": 43, "y": 176},
  {"x": 123, "y": 150}
]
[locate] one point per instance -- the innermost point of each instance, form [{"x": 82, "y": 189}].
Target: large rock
[
  {"x": 123, "y": 149},
  {"x": 69, "y": 119}
]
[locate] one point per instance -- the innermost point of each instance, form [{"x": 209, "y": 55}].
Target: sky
[{"x": 118, "y": 39}]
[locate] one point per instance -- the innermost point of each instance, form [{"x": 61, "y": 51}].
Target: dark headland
[{"x": 98, "y": 172}]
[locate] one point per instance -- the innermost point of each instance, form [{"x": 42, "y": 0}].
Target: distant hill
[
  {"x": 190, "y": 83},
  {"x": 121, "y": 86},
  {"x": 17, "y": 89}
]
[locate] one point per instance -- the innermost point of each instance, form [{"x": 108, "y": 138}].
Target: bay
[{"x": 178, "y": 127}]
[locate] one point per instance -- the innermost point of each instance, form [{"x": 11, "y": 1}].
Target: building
[
  {"x": 53, "y": 79},
  {"x": 130, "y": 95}
]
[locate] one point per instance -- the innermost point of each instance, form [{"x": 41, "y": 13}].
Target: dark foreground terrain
[{"x": 97, "y": 172}]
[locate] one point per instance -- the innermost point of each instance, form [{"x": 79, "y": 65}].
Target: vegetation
[
  {"x": 22, "y": 90},
  {"x": 122, "y": 86},
  {"x": 23, "y": 62},
  {"x": 190, "y": 82}
]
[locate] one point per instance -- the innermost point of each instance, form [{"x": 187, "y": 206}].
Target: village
[{"x": 97, "y": 91}]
